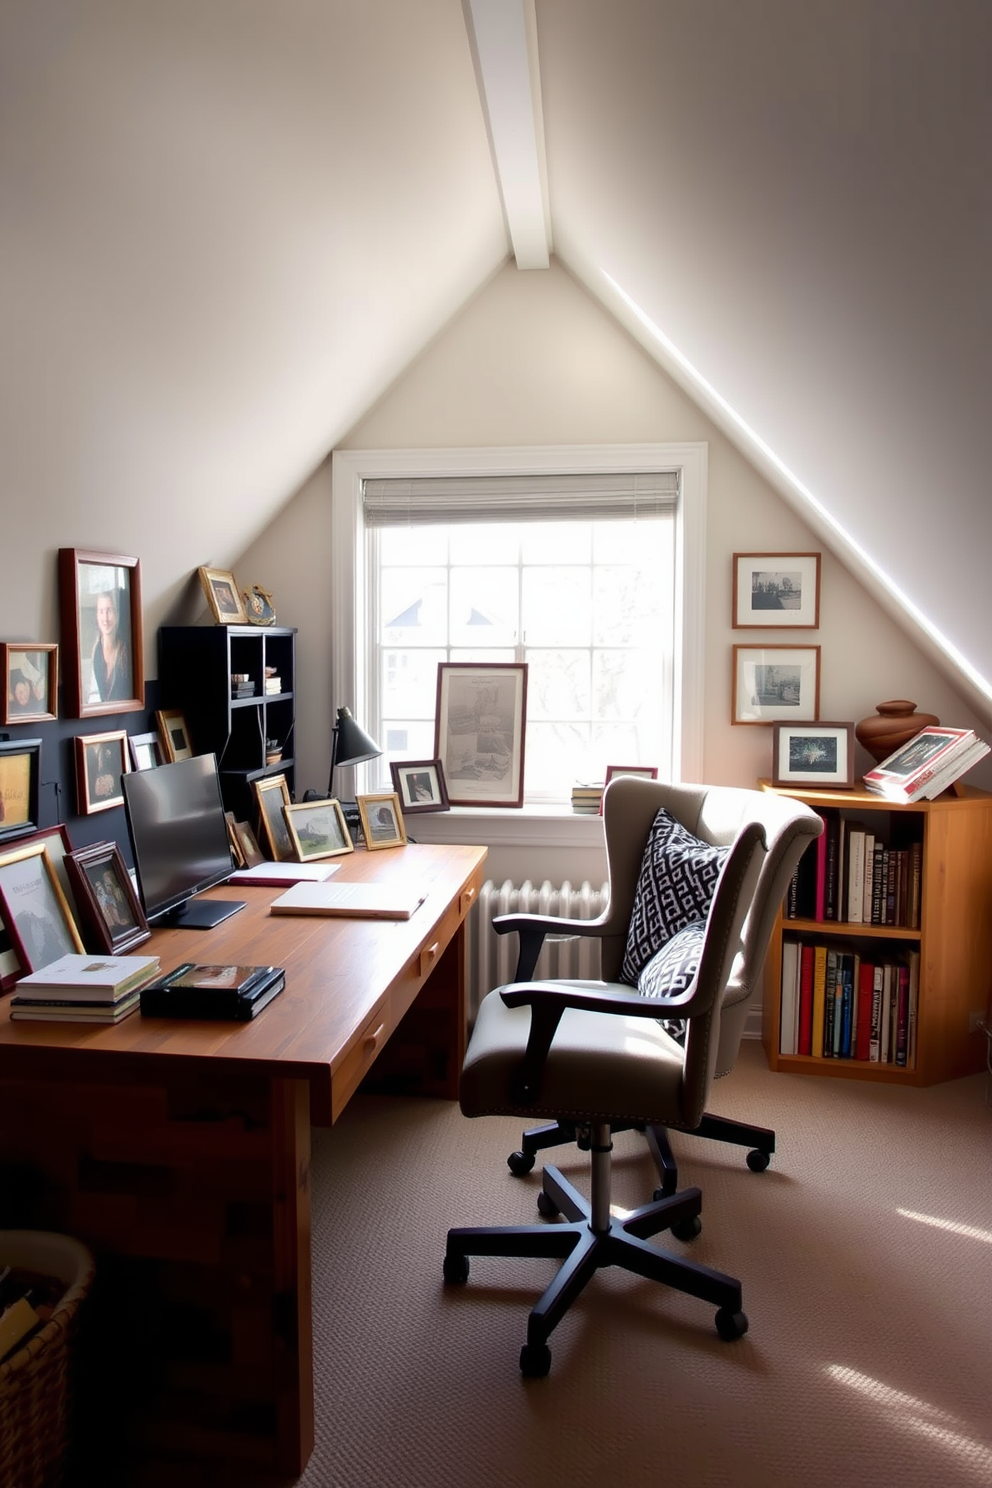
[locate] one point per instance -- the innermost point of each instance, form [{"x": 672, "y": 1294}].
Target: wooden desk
[{"x": 181, "y": 1151}]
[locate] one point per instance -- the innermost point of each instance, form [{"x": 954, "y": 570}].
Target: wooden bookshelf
[{"x": 954, "y": 935}]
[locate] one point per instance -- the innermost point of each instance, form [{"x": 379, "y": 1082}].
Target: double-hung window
[{"x": 584, "y": 564}]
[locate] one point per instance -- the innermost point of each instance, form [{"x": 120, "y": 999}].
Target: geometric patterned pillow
[
  {"x": 671, "y": 970},
  {"x": 676, "y": 883}
]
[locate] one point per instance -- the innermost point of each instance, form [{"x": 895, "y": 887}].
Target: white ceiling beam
[{"x": 504, "y": 40}]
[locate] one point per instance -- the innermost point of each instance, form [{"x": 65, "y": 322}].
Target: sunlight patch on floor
[
  {"x": 968, "y": 1231},
  {"x": 926, "y": 1420}
]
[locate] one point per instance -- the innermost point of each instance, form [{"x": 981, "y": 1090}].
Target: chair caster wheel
[
  {"x": 547, "y": 1206},
  {"x": 535, "y": 1360},
  {"x": 731, "y": 1325},
  {"x": 520, "y": 1163},
  {"x": 456, "y": 1269},
  {"x": 688, "y": 1229},
  {"x": 758, "y": 1161}
]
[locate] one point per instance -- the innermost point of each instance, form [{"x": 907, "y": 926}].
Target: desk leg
[{"x": 195, "y": 1197}]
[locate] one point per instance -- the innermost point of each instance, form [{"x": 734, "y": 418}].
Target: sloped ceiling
[{"x": 227, "y": 226}]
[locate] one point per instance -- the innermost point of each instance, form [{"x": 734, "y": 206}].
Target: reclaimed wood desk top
[{"x": 348, "y": 983}]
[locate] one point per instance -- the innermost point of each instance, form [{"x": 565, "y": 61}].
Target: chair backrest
[{"x": 716, "y": 814}]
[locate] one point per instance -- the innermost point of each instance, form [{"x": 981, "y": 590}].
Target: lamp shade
[{"x": 352, "y": 745}]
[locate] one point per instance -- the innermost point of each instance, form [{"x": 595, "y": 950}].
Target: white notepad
[{"x": 364, "y": 901}]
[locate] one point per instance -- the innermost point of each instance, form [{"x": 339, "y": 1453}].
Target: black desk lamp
[{"x": 350, "y": 745}]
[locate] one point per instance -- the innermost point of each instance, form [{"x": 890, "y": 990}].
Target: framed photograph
[
  {"x": 272, "y": 794},
  {"x": 250, "y": 851},
  {"x": 420, "y": 785},
  {"x": 234, "y": 840},
  {"x": 813, "y": 754},
  {"x": 102, "y": 637},
  {"x": 479, "y": 726},
  {"x": 646, "y": 772},
  {"x": 382, "y": 821},
  {"x": 776, "y": 683},
  {"x": 318, "y": 829},
  {"x": 111, "y": 917},
  {"x": 101, "y": 760},
  {"x": 56, "y": 843},
  {"x": 31, "y": 681},
  {"x": 223, "y": 596},
  {"x": 146, "y": 750},
  {"x": 776, "y": 589},
  {"x": 173, "y": 735},
  {"x": 35, "y": 912},
  {"x": 20, "y": 780}
]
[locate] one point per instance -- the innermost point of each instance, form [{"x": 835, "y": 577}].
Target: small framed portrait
[
  {"x": 776, "y": 589},
  {"x": 420, "y": 785},
  {"x": 111, "y": 917},
  {"x": 102, "y": 637},
  {"x": 817, "y": 754},
  {"x": 173, "y": 735},
  {"x": 272, "y": 794},
  {"x": 480, "y": 721},
  {"x": 31, "y": 682},
  {"x": 223, "y": 596},
  {"x": 250, "y": 852},
  {"x": 382, "y": 821},
  {"x": 318, "y": 829},
  {"x": 35, "y": 912},
  {"x": 774, "y": 684},
  {"x": 20, "y": 778},
  {"x": 101, "y": 760},
  {"x": 145, "y": 749}
]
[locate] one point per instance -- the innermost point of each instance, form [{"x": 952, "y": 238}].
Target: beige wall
[{"x": 533, "y": 360}]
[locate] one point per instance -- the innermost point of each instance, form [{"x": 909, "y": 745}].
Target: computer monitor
[{"x": 175, "y": 819}]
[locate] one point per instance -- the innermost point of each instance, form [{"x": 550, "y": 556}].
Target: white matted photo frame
[
  {"x": 271, "y": 795},
  {"x": 480, "y": 722},
  {"x": 318, "y": 829},
  {"x": 779, "y": 590},
  {"x": 819, "y": 755},
  {"x": 420, "y": 785},
  {"x": 382, "y": 821},
  {"x": 775, "y": 683},
  {"x": 102, "y": 635},
  {"x": 35, "y": 912},
  {"x": 110, "y": 915},
  {"x": 30, "y": 681}
]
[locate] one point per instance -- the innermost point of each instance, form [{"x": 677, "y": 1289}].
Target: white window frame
[{"x": 351, "y": 605}]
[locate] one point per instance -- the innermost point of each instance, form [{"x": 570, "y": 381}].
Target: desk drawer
[{"x": 360, "y": 1057}]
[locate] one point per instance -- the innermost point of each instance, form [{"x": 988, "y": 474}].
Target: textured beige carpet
[{"x": 865, "y": 1253}]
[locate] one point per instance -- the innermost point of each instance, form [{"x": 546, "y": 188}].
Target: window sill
[{"x": 526, "y": 826}]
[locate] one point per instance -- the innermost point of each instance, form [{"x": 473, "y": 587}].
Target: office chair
[
  {"x": 601, "y": 1057},
  {"x": 714, "y": 814}
]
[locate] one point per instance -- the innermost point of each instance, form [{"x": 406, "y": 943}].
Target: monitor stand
[{"x": 201, "y": 914}]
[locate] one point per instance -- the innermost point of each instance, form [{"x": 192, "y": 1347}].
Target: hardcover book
[
  {"x": 76, "y": 977},
  {"x": 934, "y": 754},
  {"x": 232, "y": 993}
]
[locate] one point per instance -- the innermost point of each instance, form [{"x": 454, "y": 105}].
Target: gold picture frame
[
  {"x": 382, "y": 820},
  {"x": 223, "y": 596},
  {"x": 173, "y": 734},
  {"x": 271, "y": 795},
  {"x": 318, "y": 829}
]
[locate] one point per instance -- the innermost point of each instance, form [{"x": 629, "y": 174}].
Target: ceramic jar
[{"x": 890, "y": 726}]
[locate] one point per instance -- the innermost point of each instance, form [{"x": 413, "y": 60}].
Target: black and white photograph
[
  {"x": 479, "y": 727},
  {"x": 776, "y": 590},
  {"x": 420, "y": 785},
  {"x": 772, "y": 683},
  {"x": 817, "y": 754}
]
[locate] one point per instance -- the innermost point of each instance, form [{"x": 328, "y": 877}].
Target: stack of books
[
  {"x": 587, "y": 799},
  {"x": 242, "y": 685},
  {"x": 931, "y": 762},
  {"x": 273, "y": 685},
  {"x": 84, "y": 989}
]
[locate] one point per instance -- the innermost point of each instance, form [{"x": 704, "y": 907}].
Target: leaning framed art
[
  {"x": 480, "y": 723},
  {"x": 776, "y": 590},
  {"x": 111, "y": 915},
  {"x": 20, "y": 780},
  {"x": 420, "y": 785},
  {"x": 35, "y": 912},
  {"x": 775, "y": 683}
]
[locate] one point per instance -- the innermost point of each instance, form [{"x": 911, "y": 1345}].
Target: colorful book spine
[
  {"x": 806, "y": 956},
  {"x": 819, "y": 998}
]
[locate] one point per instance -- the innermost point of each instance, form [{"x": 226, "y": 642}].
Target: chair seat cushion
[{"x": 677, "y": 879}]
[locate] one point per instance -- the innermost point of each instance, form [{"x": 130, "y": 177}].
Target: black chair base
[
  {"x": 718, "y": 1128},
  {"x": 584, "y": 1250}
]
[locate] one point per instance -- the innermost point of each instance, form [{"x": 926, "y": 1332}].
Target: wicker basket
[{"x": 35, "y": 1381}]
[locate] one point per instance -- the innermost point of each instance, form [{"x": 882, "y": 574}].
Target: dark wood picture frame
[
  {"x": 776, "y": 591},
  {"x": 110, "y": 911},
  {"x": 775, "y": 684},
  {"x": 101, "y": 761},
  {"x": 30, "y": 681},
  {"x": 813, "y": 754},
  {"x": 35, "y": 912},
  {"x": 85, "y": 577},
  {"x": 420, "y": 785},
  {"x": 20, "y": 781},
  {"x": 480, "y": 728}
]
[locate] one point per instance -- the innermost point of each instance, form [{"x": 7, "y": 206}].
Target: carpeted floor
[{"x": 865, "y": 1257}]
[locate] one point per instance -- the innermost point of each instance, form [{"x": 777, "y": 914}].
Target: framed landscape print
[
  {"x": 480, "y": 722},
  {"x": 35, "y": 912},
  {"x": 111, "y": 916},
  {"x": 318, "y": 829},
  {"x": 776, "y": 589},
  {"x": 20, "y": 779},
  {"x": 815, "y": 754},
  {"x": 382, "y": 821},
  {"x": 31, "y": 680},
  {"x": 420, "y": 785},
  {"x": 102, "y": 637},
  {"x": 775, "y": 683}
]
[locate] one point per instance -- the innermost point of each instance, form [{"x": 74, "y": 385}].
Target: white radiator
[{"x": 493, "y": 958}]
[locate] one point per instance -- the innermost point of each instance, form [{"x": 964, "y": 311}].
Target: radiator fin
[{"x": 493, "y": 958}]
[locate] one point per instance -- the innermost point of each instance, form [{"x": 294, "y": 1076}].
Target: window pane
[
  {"x": 556, "y": 542},
  {"x": 559, "y": 684},
  {"x": 414, "y": 606},
  {"x": 412, "y": 545},
  {"x": 484, "y": 606},
  {"x": 409, "y": 683},
  {"x": 484, "y": 542},
  {"x": 557, "y": 606}
]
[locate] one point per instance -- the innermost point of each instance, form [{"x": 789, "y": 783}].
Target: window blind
[{"x": 611, "y": 496}]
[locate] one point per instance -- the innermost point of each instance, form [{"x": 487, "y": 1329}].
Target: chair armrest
[{"x": 533, "y": 928}]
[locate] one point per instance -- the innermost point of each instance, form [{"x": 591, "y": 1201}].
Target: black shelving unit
[{"x": 196, "y": 665}]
